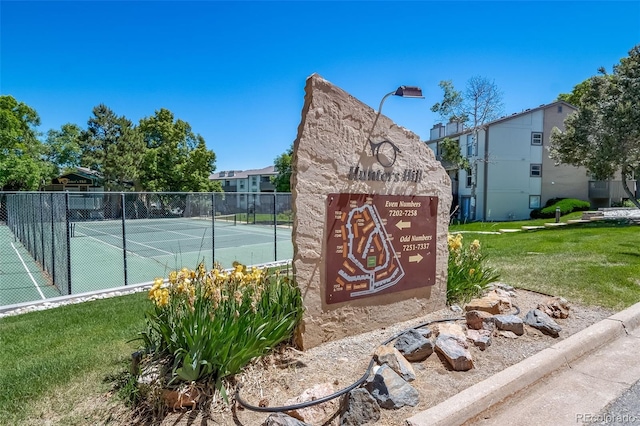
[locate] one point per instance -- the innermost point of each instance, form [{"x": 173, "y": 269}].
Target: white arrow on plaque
[
  {"x": 415, "y": 258},
  {"x": 403, "y": 225}
]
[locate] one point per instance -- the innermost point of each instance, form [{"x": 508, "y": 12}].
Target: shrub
[
  {"x": 468, "y": 274},
  {"x": 567, "y": 205},
  {"x": 209, "y": 324}
]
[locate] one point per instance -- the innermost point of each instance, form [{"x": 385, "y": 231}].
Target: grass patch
[
  {"x": 64, "y": 348},
  {"x": 596, "y": 263}
]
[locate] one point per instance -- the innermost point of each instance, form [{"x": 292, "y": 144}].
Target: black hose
[{"x": 341, "y": 392}]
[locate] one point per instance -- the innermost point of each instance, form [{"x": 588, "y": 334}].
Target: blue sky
[{"x": 236, "y": 70}]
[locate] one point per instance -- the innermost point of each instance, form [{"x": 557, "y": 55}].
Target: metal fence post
[
  {"x": 124, "y": 238},
  {"x": 275, "y": 228},
  {"x": 42, "y": 232},
  {"x": 68, "y": 227},
  {"x": 213, "y": 229},
  {"x": 53, "y": 239}
]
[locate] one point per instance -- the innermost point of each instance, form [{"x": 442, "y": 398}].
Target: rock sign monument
[{"x": 371, "y": 211}]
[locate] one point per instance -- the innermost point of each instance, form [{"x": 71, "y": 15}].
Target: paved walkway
[{"x": 576, "y": 393}]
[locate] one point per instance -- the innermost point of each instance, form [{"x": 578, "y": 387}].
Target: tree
[
  {"x": 451, "y": 154},
  {"x": 604, "y": 134},
  {"x": 21, "y": 164},
  {"x": 480, "y": 103},
  {"x": 282, "y": 165},
  {"x": 576, "y": 94},
  {"x": 176, "y": 159},
  {"x": 62, "y": 148},
  {"x": 112, "y": 146}
]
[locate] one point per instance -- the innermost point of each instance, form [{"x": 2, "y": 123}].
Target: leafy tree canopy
[
  {"x": 112, "y": 146},
  {"x": 176, "y": 159},
  {"x": 21, "y": 163},
  {"x": 282, "y": 165},
  {"x": 480, "y": 102},
  {"x": 604, "y": 134},
  {"x": 62, "y": 148}
]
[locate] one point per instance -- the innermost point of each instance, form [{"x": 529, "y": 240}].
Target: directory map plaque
[{"x": 379, "y": 244}]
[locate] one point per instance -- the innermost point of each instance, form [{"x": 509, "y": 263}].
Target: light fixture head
[{"x": 409, "y": 92}]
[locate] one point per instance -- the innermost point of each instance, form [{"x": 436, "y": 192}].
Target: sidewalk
[{"x": 566, "y": 384}]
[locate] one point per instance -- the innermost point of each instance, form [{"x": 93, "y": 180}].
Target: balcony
[{"x": 267, "y": 187}]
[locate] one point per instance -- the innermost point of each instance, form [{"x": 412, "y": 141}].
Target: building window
[
  {"x": 469, "y": 180},
  {"x": 536, "y": 138},
  {"x": 469, "y": 145},
  {"x": 559, "y": 108},
  {"x": 241, "y": 184},
  {"x": 534, "y": 201},
  {"x": 439, "y": 150},
  {"x": 536, "y": 170}
]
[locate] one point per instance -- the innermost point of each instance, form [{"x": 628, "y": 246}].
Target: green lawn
[
  {"x": 595, "y": 263},
  {"x": 64, "y": 355},
  {"x": 58, "y": 365}
]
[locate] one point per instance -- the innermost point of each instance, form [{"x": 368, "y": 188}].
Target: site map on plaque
[{"x": 379, "y": 243}]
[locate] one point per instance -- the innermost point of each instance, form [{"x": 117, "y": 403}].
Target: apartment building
[
  {"x": 254, "y": 180},
  {"x": 243, "y": 188},
  {"x": 511, "y": 172}
]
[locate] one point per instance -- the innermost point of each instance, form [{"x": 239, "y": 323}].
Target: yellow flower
[
  {"x": 173, "y": 277},
  {"x": 455, "y": 243},
  {"x": 475, "y": 245},
  {"x": 161, "y": 297},
  {"x": 472, "y": 271},
  {"x": 237, "y": 295}
]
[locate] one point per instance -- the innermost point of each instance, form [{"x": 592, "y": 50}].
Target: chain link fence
[{"x": 62, "y": 243}]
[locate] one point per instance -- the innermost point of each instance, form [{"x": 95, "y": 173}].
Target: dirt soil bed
[{"x": 274, "y": 379}]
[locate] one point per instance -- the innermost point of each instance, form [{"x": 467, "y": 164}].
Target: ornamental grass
[
  {"x": 204, "y": 326},
  {"x": 468, "y": 274}
]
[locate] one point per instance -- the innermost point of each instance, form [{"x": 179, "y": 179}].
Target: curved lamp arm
[{"x": 402, "y": 91}]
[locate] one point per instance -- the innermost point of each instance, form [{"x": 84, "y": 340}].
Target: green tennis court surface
[
  {"x": 153, "y": 248},
  {"x": 21, "y": 278}
]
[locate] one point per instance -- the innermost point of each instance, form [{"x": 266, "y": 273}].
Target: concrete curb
[{"x": 474, "y": 400}]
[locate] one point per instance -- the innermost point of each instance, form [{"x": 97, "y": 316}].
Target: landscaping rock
[
  {"x": 414, "y": 346},
  {"x": 480, "y": 338},
  {"x": 543, "y": 322},
  {"x": 509, "y": 323},
  {"x": 454, "y": 351},
  {"x": 453, "y": 329},
  {"x": 394, "y": 359},
  {"x": 361, "y": 409},
  {"x": 478, "y": 320},
  {"x": 281, "y": 419},
  {"x": 390, "y": 390},
  {"x": 508, "y": 334},
  {"x": 557, "y": 307},
  {"x": 316, "y": 414},
  {"x": 494, "y": 302},
  {"x": 425, "y": 331}
]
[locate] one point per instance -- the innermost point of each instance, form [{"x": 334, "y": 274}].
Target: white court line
[
  {"x": 107, "y": 244},
  {"x": 28, "y": 272},
  {"x": 120, "y": 248}
]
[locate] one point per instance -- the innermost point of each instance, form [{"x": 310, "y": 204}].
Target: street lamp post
[{"x": 386, "y": 151}]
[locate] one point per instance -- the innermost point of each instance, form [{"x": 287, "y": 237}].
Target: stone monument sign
[{"x": 371, "y": 213}]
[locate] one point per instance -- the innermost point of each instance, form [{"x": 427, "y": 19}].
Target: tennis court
[
  {"x": 56, "y": 244},
  {"x": 21, "y": 278}
]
